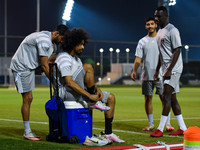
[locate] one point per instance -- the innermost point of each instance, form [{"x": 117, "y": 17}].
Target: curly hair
[{"x": 72, "y": 39}]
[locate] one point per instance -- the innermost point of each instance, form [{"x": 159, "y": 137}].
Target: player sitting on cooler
[{"x": 73, "y": 77}]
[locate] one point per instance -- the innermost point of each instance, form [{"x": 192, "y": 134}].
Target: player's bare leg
[
  {"x": 111, "y": 104},
  {"x": 25, "y": 110},
  {"x": 26, "y": 103},
  {"x": 167, "y": 94},
  {"x": 89, "y": 76},
  {"x": 149, "y": 112},
  {"x": 91, "y": 88},
  {"x": 177, "y": 112}
]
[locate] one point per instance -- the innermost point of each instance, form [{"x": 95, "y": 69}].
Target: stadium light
[
  {"x": 101, "y": 61},
  {"x": 117, "y": 51},
  {"x": 172, "y": 2},
  {"x": 68, "y": 10},
  {"x": 186, "y": 47},
  {"x": 186, "y": 52},
  {"x": 108, "y": 79},
  {"x": 99, "y": 79},
  {"x": 111, "y": 50},
  {"x": 127, "y": 55}
]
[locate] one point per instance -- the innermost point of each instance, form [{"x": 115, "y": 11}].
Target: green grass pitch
[{"x": 128, "y": 122}]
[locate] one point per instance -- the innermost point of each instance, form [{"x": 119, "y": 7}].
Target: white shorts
[
  {"x": 24, "y": 81},
  {"x": 174, "y": 82}
]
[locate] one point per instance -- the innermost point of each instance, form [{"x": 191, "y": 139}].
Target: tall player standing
[{"x": 169, "y": 44}]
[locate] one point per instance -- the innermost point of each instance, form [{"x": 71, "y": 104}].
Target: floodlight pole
[
  {"x": 101, "y": 63},
  {"x": 111, "y": 55},
  {"x": 5, "y": 45},
  {"x": 117, "y": 51},
  {"x": 127, "y": 55},
  {"x": 38, "y": 16}
]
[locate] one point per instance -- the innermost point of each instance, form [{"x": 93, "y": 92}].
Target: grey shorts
[
  {"x": 174, "y": 82},
  {"x": 68, "y": 94},
  {"x": 148, "y": 87},
  {"x": 24, "y": 81}
]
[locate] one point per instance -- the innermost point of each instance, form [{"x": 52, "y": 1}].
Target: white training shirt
[
  {"x": 169, "y": 39},
  {"x": 34, "y": 45},
  {"x": 147, "y": 49},
  {"x": 67, "y": 66}
]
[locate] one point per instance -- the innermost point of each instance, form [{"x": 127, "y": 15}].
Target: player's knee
[
  {"x": 111, "y": 99},
  {"x": 167, "y": 103},
  {"x": 27, "y": 98}
]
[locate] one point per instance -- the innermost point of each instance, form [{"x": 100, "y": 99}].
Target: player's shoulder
[
  {"x": 44, "y": 35},
  {"x": 171, "y": 28},
  {"x": 63, "y": 57},
  {"x": 63, "y": 54},
  {"x": 144, "y": 40}
]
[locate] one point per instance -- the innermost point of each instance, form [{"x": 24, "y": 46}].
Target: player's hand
[
  {"x": 133, "y": 75},
  {"x": 99, "y": 92},
  {"x": 94, "y": 97},
  {"x": 167, "y": 75},
  {"x": 155, "y": 77}
]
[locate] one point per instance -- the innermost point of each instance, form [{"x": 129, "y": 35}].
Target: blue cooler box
[{"x": 79, "y": 120}]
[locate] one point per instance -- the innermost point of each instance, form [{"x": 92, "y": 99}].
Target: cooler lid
[{"x": 73, "y": 104}]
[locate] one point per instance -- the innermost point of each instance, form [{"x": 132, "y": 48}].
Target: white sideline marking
[
  {"x": 148, "y": 134},
  {"x": 132, "y": 132},
  {"x": 22, "y": 121},
  {"x": 147, "y": 119}
]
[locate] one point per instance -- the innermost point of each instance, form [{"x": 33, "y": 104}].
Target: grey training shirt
[{"x": 34, "y": 45}]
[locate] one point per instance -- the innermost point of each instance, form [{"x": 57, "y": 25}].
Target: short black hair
[
  {"x": 75, "y": 37},
  {"x": 164, "y": 9},
  {"x": 149, "y": 19},
  {"x": 62, "y": 29}
]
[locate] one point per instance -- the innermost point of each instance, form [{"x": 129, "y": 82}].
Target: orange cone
[{"x": 192, "y": 138}]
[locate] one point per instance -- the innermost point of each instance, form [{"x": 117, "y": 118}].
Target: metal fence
[{"x": 102, "y": 61}]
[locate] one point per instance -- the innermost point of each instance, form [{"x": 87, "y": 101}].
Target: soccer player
[
  {"x": 35, "y": 50},
  {"x": 147, "y": 50},
  {"x": 169, "y": 44},
  {"x": 73, "y": 76}
]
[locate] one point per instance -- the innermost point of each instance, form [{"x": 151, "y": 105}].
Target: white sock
[
  {"x": 162, "y": 122},
  {"x": 150, "y": 118},
  {"x": 27, "y": 128},
  {"x": 109, "y": 134},
  {"x": 168, "y": 118},
  {"x": 181, "y": 122}
]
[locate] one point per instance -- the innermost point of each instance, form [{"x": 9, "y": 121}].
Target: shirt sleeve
[
  {"x": 175, "y": 38},
  {"x": 65, "y": 66},
  {"x": 139, "y": 50},
  {"x": 43, "y": 45}
]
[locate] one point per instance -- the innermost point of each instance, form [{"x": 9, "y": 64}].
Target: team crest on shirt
[{"x": 162, "y": 40}]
